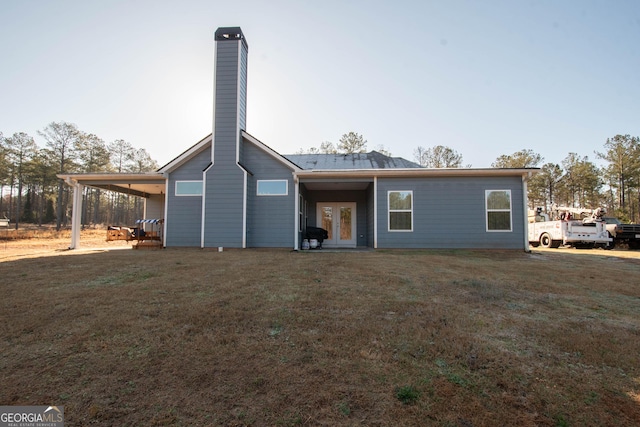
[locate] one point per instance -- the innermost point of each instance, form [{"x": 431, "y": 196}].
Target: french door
[{"x": 339, "y": 219}]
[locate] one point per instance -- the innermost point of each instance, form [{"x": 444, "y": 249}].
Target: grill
[{"x": 316, "y": 233}]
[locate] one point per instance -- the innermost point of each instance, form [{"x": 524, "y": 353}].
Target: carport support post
[{"x": 76, "y": 215}]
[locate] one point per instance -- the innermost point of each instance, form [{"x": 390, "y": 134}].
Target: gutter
[{"x": 415, "y": 172}]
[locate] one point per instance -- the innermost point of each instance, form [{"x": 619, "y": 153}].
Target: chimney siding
[{"x": 224, "y": 207}]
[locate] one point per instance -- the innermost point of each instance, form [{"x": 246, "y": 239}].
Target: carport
[{"x": 150, "y": 186}]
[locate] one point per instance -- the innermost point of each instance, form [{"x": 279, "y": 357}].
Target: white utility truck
[{"x": 566, "y": 226}]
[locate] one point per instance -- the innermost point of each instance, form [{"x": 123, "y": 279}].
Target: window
[
  {"x": 277, "y": 187},
  {"x": 498, "y": 204},
  {"x": 188, "y": 188},
  {"x": 400, "y": 210},
  {"x": 300, "y": 207}
]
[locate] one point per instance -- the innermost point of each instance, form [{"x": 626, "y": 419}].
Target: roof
[
  {"x": 134, "y": 184},
  {"x": 273, "y": 153},
  {"x": 188, "y": 154},
  {"x": 359, "y": 161}
]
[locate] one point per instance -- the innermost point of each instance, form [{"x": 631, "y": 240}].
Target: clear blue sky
[{"x": 482, "y": 77}]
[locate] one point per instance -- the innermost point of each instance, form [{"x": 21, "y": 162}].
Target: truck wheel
[
  {"x": 546, "y": 241},
  {"x": 609, "y": 245}
]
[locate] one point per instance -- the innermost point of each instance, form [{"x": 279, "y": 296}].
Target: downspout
[
  {"x": 375, "y": 212},
  {"x": 204, "y": 202},
  {"x": 525, "y": 210},
  {"x": 296, "y": 210},
  {"x": 166, "y": 210},
  {"x": 244, "y": 210}
]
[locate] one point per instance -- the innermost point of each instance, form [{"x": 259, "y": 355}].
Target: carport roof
[{"x": 135, "y": 184}]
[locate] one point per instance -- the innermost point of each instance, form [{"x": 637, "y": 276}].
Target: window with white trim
[
  {"x": 400, "y": 210},
  {"x": 188, "y": 188},
  {"x": 272, "y": 187},
  {"x": 300, "y": 215},
  {"x": 498, "y": 206}
]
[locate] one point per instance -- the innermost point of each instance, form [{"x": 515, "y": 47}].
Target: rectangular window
[
  {"x": 275, "y": 187},
  {"x": 498, "y": 203},
  {"x": 400, "y": 210},
  {"x": 188, "y": 188},
  {"x": 300, "y": 206}
]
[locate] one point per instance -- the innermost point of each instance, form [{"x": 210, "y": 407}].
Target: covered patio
[{"x": 151, "y": 187}]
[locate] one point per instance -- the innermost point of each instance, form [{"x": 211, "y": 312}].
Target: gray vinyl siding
[
  {"x": 184, "y": 213},
  {"x": 224, "y": 206},
  {"x": 154, "y": 207},
  {"x": 450, "y": 213},
  {"x": 270, "y": 219},
  {"x": 226, "y": 103},
  {"x": 359, "y": 197}
]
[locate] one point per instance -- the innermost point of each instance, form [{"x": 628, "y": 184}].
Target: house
[{"x": 231, "y": 190}]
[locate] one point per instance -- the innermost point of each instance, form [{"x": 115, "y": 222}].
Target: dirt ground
[
  {"x": 279, "y": 338},
  {"x": 49, "y": 243}
]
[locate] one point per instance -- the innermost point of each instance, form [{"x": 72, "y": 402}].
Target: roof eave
[
  {"x": 264, "y": 147},
  {"x": 186, "y": 155},
  {"x": 143, "y": 176}
]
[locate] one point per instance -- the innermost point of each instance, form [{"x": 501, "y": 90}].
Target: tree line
[
  {"x": 575, "y": 182},
  {"x": 579, "y": 182},
  {"x": 30, "y": 191}
]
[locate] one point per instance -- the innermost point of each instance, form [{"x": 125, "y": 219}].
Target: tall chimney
[
  {"x": 230, "y": 90},
  {"x": 224, "y": 196}
]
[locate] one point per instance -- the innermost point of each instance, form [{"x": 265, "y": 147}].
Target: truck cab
[{"x": 623, "y": 233}]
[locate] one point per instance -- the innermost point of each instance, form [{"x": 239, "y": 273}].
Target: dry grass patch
[
  {"x": 32, "y": 241},
  {"x": 268, "y": 337}
]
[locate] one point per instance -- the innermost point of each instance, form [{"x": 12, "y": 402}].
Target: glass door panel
[
  {"x": 327, "y": 220},
  {"x": 345, "y": 223}
]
